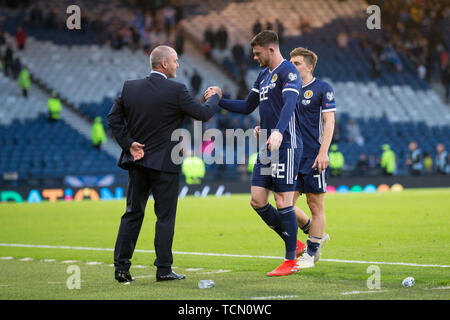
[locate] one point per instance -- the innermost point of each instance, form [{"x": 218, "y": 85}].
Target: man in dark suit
[{"x": 142, "y": 120}]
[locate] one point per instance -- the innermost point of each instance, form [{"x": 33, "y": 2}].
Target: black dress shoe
[
  {"x": 171, "y": 276},
  {"x": 123, "y": 276}
]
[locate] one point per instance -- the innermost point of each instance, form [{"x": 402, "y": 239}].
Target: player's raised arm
[{"x": 246, "y": 106}]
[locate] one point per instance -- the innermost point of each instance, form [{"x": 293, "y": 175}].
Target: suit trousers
[{"x": 164, "y": 186}]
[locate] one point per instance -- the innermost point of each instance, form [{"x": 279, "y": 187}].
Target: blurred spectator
[
  {"x": 238, "y": 53},
  {"x": 305, "y": 25},
  {"x": 388, "y": 160},
  {"x": 17, "y": 67},
  {"x": 196, "y": 82},
  {"x": 2, "y": 38},
  {"x": 36, "y": 16},
  {"x": 98, "y": 135},
  {"x": 354, "y": 134},
  {"x": 8, "y": 60},
  {"x": 179, "y": 41},
  {"x": 280, "y": 30},
  {"x": 257, "y": 27},
  {"x": 222, "y": 37},
  {"x": 414, "y": 160},
  {"x": 421, "y": 71},
  {"x": 20, "y": 38},
  {"x": 342, "y": 40},
  {"x": 372, "y": 162},
  {"x": 51, "y": 20},
  {"x": 391, "y": 58},
  {"x": 362, "y": 165},
  {"x": 24, "y": 81},
  {"x": 428, "y": 163},
  {"x": 336, "y": 161},
  {"x": 445, "y": 77},
  {"x": 442, "y": 160},
  {"x": 269, "y": 25},
  {"x": 209, "y": 37},
  {"x": 54, "y": 107},
  {"x": 169, "y": 17}
]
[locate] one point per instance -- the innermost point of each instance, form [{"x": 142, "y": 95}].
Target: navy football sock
[
  {"x": 305, "y": 228},
  {"x": 312, "y": 247},
  {"x": 271, "y": 217},
  {"x": 289, "y": 227}
]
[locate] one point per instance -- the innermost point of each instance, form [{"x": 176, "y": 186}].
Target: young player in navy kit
[
  {"x": 316, "y": 110},
  {"x": 275, "y": 91}
]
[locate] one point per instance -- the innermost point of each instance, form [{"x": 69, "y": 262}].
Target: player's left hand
[
  {"x": 275, "y": 140},
  {"x": 322, "y": 161}
]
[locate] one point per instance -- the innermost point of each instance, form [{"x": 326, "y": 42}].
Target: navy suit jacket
[{"x": 148, "y": 111}]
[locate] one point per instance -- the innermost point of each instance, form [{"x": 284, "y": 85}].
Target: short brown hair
[
  {"x": 309, "y": 56},
  {"x": 265, "y": 38}
]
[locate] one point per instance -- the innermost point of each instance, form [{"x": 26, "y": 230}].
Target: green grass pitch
[{"x": 411, "y": 227}]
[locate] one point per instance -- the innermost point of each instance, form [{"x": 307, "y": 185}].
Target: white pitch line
[
  {"x": 221, "y": 255},
  {"x": 273, "y": 297},
  {"x": 362, "y": 292}
]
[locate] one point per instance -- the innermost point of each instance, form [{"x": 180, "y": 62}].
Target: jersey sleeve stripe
[
  {"x": 328, "y": 110},
  {"x": 255, "y": 90},
  {"x": 290, "y": 89}
]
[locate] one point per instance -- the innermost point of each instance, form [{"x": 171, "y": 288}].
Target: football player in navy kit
[
  {"x": 316, "y": 112},
  {"x": 276, "y": 92},
  {"x": 316, "y": 107}
]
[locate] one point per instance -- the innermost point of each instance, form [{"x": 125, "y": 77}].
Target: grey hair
[{"x": 159, "y": 54}]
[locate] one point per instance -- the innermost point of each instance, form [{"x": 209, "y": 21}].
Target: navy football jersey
[
  {"x": 270, "y": 86},
  {"x": 315, "y": 98}
]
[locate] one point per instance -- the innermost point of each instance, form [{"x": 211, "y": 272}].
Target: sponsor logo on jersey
[
  {"x": 292, "y": 76},
  {"x": 306, "y": 102},
  {"x": 274, "y": 78},
  {"x": 330, "y": 96},
  {"x": 308, "y": 94}
]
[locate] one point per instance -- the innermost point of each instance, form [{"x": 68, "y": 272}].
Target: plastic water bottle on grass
[{"x": 205, "y": 284}]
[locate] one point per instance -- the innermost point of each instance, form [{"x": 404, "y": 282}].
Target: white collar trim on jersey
[
  {"x": 277, "y": 66},
  {"x": 160, "y": 73},
  {"x": 314, "y": 79}
]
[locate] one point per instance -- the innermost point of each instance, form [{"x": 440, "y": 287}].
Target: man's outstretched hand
[
  {"x": 212, "y": 91},
  {"x": 137, "y": 151}
]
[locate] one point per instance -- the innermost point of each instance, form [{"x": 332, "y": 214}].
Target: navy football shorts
[
  {"x": 309, "y": 180},
  {"x": 278, "y": 176}
]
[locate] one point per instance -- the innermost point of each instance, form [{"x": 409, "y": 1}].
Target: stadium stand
[{"x": 38, "y": 150}]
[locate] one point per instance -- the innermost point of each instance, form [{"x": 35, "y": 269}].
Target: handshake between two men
[{"x": 273, "y": 143}]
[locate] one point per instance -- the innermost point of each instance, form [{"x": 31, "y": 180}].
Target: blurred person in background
[
  {"x": 98, "y": 135},
  {"x": 414, "y": 160},
  {"x": 387, "y": 162},
  {"x": 336, "y": 161},
  {"x": 362, "y": 165},
  {"x": 21, "y": 38},
  {"x": 428, "y": 163},
  {"x": 54, "y": 107},
  {"x": 442, "y": 160},
  {"x": 24, "y": 81}
]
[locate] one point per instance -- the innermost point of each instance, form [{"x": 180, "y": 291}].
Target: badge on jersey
[
  {"x": 292, "y": 76},
  {"x": 308, "y": 94},
  {"x": 274, "y": 78},
  {"x": 330, "y": 96}
]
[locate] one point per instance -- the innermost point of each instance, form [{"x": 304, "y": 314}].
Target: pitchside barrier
[{"x": 217, "y": 189}]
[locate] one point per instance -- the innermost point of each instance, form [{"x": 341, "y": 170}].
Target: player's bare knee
[
  {"x": 315, "y": 207},
  {"x": 257, "y": 204}
]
